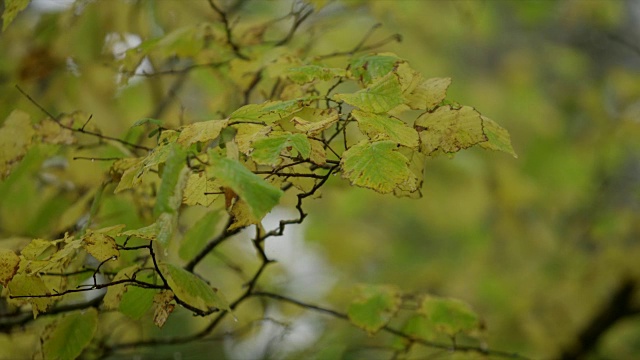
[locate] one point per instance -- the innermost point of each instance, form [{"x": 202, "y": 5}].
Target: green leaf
[
  {"x": 69, "y": 335},
  {"x": 450, "y": 316},
  {"x": 9, "y": 263},
  {"x": 499, "y": 138},
  {"x": 381, "y": 96},
  {"x": 197, "y": 236},
  {"x": 201, "y": 132},
  {"x": 378, "y": 166},
  {"x": 308, "y": 73},
  {"x": 449, "y": 129},
  {"x": 169, "y": 197},
  {"x": 368, "y": 68},
  {"x": 419, "y": 326},
  {"x": 166, "y": 226},
  {"x": 147, "y": 121},
  {"x": 148, "y": 232},
  {"x": 267, "y": 151},
  {"x": 374, "y": 306},
  {"x": 174, "y": 177},
  {"x": 192, "y": 290},
  {"x": 136, "y": 168},
  {"x": 136, "y": 301},
  {"x": 268, "y": 112},
  {"x": 385, "y": 127},
  {"x": 15, "y": 139},
  {"x": 11, "y": 10},
  {"x": 259, "y": 195}
]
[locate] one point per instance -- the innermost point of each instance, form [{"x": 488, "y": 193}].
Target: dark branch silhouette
[{"x": 620, "y": 305}]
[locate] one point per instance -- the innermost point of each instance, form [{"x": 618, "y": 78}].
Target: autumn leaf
[
  {"x": 259, "y": 195},
  {"x": 385, "y": 127},
  {"x": 449, "y": 129},
  {"x": 9, "y": 262},
  {"x": 378, "y": 166},
  {"x": 30, "y": 285},
  {"x": 193, "y": 290},
  {"x": 163, "y": 307},
  {"x": 100, "y": 246},
  {"x": 381, "y": 96},
  {"x": 15, "y": 138}
]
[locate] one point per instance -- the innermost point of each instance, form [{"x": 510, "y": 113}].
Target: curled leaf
[{"x": 449, "y": 129}]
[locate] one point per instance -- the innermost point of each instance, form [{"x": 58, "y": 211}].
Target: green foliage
[
  {"x": 193, "y": 291},
  {"x": 450, "y": 316},
  {"x": 258, "y": 194},
  {"x": 374, "y": 306},
  {"x": 15, "y": 139},
  {"x": 11, "y": 10},
  {"x": 378, "y": 166},
  {"x": 284, "y": 125},
  {"x": 379, "y": 97},
  {"x": 69, "y": 335}
]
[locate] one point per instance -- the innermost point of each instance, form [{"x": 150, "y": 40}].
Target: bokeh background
[{"x": 537, "y": 245}]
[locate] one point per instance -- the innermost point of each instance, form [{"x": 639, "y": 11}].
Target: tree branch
[
  {"x": 81, "y": 129},
  {"x": 617, "y": 307},
  {"x": 388, "y": 329}
]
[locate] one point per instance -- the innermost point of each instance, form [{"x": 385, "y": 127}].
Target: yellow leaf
[
  {"x": 36, "y": 248},
  {"x": 49, "y": 132},
  {"x": 163, "y": 307},
  {"x": 318, "y": 153},
  {"x": 449, "y": 129},
  {"x": 315, "y": 122},
  {"x": 100, "y": 246},
  {"x": 120, "y": 167},
  {"x": 24, "y": 285},
  {"x": 201, "y": 131},
  {"x": 247, "y": 133},
  {"x": 15, "y": 139},
  {"x": 242, "y": 215},
  {"x": 428, "y": 94},
  {"x": 197, "y": 190},
  {"x": 114, "y": 294},
  {"x": 9, "y": 263}
]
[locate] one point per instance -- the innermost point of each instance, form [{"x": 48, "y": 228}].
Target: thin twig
[
  {"x": 80, "y": 130},
  {"x": 386, "y": 328},
  {"x": 227, "y": 29}
]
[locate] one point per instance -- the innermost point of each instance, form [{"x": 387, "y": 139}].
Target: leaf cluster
[{"x": 369, "y": 117}]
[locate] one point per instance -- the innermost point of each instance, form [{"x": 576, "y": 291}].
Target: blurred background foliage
[{"x": 537, "y": 245}]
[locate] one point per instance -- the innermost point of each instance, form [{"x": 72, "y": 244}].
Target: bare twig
[
  {"x": 81, "y": 129},
  {"x": 386, "y": 328},
  {"x": 227, "y": 29}
]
